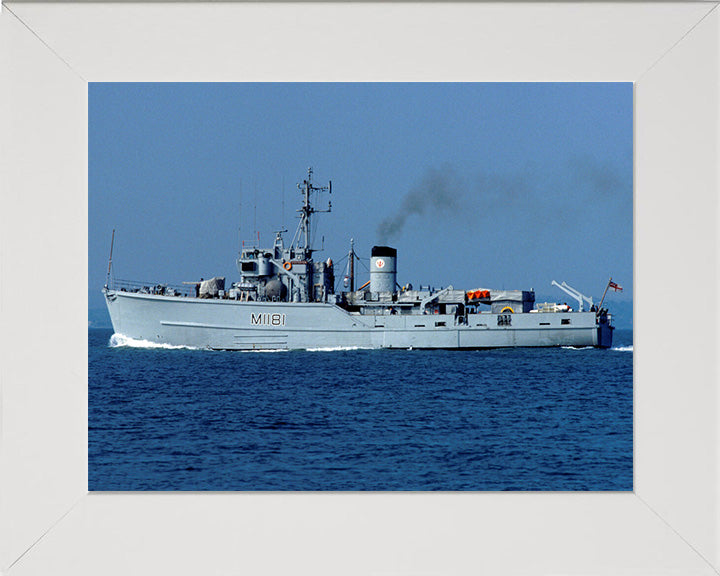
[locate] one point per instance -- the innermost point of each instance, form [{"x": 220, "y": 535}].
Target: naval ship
[{"x": 287, "y": 300}]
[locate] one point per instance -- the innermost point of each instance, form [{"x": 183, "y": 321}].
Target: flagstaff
[{"x": 612, "y": 285}]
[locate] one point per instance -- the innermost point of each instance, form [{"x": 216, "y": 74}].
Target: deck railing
[{"x": 164, "y": 289}]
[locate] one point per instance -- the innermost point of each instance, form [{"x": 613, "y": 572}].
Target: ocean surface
[{"x": 164, "y": 418}]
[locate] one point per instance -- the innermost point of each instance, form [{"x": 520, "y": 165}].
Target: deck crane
[{"x": 570, "y": 291}]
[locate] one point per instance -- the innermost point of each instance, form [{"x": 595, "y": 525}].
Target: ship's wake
[
  {"x": 265, "y": 350},
  {"x": 322, "y": 349},
  {"x": 337, "y": 348},
  {"x": 615, "y": 349},
  {"x": 122, "y": 341}
]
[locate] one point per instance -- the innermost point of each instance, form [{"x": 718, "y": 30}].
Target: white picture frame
[{"x": 49, "y": 523}]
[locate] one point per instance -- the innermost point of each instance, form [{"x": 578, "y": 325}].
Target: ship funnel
[{"x": 383, "y": 269}]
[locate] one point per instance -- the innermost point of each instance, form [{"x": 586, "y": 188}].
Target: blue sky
[{"x": 499, "y": 185}]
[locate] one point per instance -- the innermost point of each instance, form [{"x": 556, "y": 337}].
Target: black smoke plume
[
  {"x": 439, "y": 191},
  {"x": 557, "y": 197}
]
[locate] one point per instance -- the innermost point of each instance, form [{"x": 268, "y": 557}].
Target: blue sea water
[{"x": 509, "y": 419}]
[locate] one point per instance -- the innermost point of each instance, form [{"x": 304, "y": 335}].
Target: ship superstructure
[
  {"x": 286, "y": 300},
  {"x": 289, "y": 274}
]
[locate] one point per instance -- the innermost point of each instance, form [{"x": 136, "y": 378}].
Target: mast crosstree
[{"x": 301, "y": 239}]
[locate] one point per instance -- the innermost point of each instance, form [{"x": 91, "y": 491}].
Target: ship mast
[
  {"x": 351, "y": 267},
  {"x": 112, "y": 245},
  {"x": 302, "y": 235}
]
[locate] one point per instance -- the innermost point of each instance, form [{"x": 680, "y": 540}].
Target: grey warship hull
[
  {"x": 232, "y": 325},
  {"x": 286, "y": 300}
]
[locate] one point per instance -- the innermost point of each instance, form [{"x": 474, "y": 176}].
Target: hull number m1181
[{"x": 264, "y": 319}]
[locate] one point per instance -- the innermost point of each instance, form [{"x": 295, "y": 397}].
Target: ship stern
[{"x": 605, "y": 335}]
